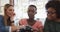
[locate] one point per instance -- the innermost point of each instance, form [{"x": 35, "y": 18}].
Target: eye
[
  {"x": 11, "y": 10},
  {"x": 50, "y": 12}
]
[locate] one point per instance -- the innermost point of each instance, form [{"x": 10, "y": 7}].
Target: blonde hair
[{"x": 5, "y": 15}]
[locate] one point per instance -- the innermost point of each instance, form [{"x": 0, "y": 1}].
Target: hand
[
  {"x": 20, "y": 27},
  {"x": 13, "y": 28},
  {"x": 35, "y": 29},
  {"x": 12, "y": 17}
]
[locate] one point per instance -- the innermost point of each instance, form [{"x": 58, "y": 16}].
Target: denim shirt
[{"x": 3, "y": 28}]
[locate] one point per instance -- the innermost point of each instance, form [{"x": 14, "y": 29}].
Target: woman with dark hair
[
  {"x": 35, "y": 24},
  {"x": 52, "y": 23}
]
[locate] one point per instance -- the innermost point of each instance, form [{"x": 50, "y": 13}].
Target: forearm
[{"x": 40, "y": 30}]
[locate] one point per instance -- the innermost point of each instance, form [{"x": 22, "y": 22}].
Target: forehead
[
  {"x": 11, "y": 7},
  {"x": 32, "y": 8},
  {"x": 51, "y": 9}
]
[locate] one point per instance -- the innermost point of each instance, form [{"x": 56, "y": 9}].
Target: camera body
[{"x": 26, "y": 29}]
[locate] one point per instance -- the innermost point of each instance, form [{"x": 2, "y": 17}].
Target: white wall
[
  {"x": 22, "y": 5},
  {"x": 2, "y": 3},
  {"x": 21, "y": 9}
]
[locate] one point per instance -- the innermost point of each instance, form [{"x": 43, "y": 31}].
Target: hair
[
  {"x": 6, "y": 6},
  {"x": 55, "y": 5},
  {"x": 54, "y": 0},
  {"x": 33, "y": 6}
]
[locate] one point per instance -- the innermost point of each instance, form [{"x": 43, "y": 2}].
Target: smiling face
[
  {"x": 10, "y": 11},
  {"x": 51, "y": 13},
  {"x": 31, "y": 12}
]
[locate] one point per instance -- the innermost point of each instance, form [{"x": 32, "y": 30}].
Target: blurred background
[{"x": 21, "y": 6}]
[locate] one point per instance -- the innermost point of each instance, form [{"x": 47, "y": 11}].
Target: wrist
[{"x": 12, "y": 21}]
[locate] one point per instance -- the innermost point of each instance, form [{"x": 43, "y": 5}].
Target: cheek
[
  {"x": 50, "y": 17},
  {"x": 8, "y": 13},
  {"x": 54, "y": 16}
]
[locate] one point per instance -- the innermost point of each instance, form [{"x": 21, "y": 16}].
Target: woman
[
  {"x": 52, "y": 23},
  {"x": 35, "y": 24},
  {"x": 7, "y": 20},
  {"x": 8, "y": 14}
]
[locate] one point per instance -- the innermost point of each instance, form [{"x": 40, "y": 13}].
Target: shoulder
[
  {"x": 38, "y": 22},
  {"x": 1, "y": 17},
  {"x": 1, "y": 20}
]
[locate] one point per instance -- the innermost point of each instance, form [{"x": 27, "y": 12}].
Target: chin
[
  {"x": 30, "y": 18},
  {"x": 9, "y": 15},
  {"x": 50, "y": 18}
]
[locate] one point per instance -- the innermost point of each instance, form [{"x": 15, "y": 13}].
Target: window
[
  {"x": 2, "y": 3},
  {"x": 22, "y": 5}
]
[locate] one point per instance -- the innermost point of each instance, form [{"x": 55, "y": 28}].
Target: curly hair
[
  {"x": 33, "y": 6},
  {"x": 55, "y": 5}
]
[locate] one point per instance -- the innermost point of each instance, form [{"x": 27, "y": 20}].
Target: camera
[{"x": 26, "y": 29}]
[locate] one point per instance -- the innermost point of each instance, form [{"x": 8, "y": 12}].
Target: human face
[
  {"x": 10, "y": 11},
  {"x": 51, "y": 13},
  {"x": 31, "y": 12}
]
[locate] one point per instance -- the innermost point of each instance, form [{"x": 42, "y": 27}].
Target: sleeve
[
  {"x": 9, "y": 29},
  {"x": 40, "y": 25}
]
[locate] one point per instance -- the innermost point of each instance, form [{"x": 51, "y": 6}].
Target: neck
[{"x": 31, "y": 20}]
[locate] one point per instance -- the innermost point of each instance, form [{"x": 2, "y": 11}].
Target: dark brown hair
[
  {"x": 55, "y": 5},
  {"x": 33, "y": 6}
]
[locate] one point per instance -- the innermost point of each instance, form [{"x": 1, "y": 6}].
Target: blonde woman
[{"x": 6, "y": 21}]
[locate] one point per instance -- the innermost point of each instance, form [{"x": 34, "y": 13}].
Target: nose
[
  {"x": 13, "y": 12},
  {"x": 31, "y": 13}
]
